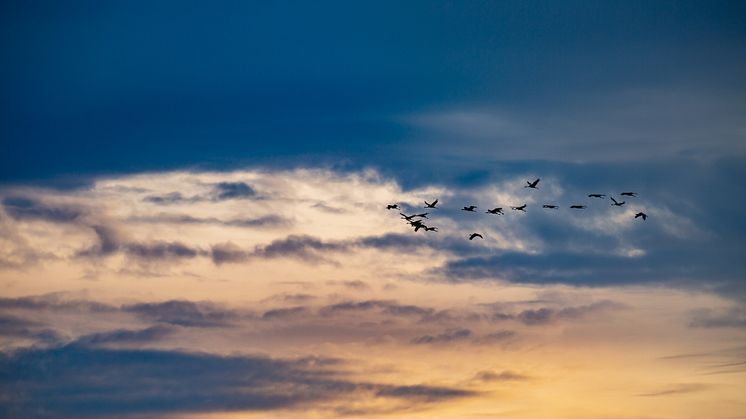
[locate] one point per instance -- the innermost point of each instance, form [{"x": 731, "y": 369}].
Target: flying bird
[
  {"x": 407, "y": 217},
  {"x": 628, "y": 194},
  {"x": 616, "y": 204},
  {"x": 415, "y": 223},
  {"x": 470, "y": 208},
  {"x": 473, "y": 235},
  {"x": 431, "y": 204},
  {"x": 498, "y": 211},
  {"x": 392, "y": 206},
  {"x": 549, "y": 206},
  {"x": 596, "y": 195},
  {"x": 533, "y": 184},
  {"x": 577, "y": 206},
  {"x": 419, "y": 226},
  {"x": 435, "y": 229},
  {"x": 519, "y": 208},
  {"x": 423, "y": 215},
  {"x": 641, "y": 214}
]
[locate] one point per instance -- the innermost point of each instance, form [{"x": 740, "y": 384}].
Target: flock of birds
[{"x": 416, "y": 220}]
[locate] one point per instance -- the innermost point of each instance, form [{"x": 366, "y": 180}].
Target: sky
[{"x": 193, "y": 214}]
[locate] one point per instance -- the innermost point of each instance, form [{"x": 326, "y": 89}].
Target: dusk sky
[{"x": 193, "y": 214}]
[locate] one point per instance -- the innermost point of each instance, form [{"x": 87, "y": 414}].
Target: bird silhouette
[
  {"x": 577, "y": 206},
  {"x": 549, "y": 206},
  {"x": 470, "y": 208},
  {"x": 519, "y": 208},
  {"x": 407, "y": 217},
  {"x": 392, "y": 206},
  {"x": 498, "y": 211},
  {"x": 431, "y": 204},
  {"x": 435, "y": 229},
  {"x": 533, "y": 184},
  {"x": 641, "y": 214},
  {"x": 596, "y": 195},
  {"x": 423, "y": 215},
  {"x": 473, "y": 235},
  {"x": 419, "y": 226},
  {"x": 616, "y": 204},
  {"x": 628, "y": 194},
  {"x": 415, "y": 223}
]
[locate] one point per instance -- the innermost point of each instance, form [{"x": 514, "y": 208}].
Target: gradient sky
[{"x": 193, "y": 222}]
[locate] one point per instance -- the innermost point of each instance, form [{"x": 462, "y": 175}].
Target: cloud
[
  {"x": 220, "y": 191},
  {"x": 232, "y": 190},
  {"x": 17, "y": 327},
  {"x": 449, "y": 336},
  {"x": 303, "y": 247},
  {"x": 677, "y": 389},
  {"x": 732, "y": 317},
  {"x": 424, "y": 393},
  {"x": 21, "y": 208},
  {"x": 116, "y": 383},
  {"x": 267, "y": 221},
  {"x": 126, "y": 336},
  {"x": 491, "y": 376},
  {"x": 385, "y": 306},
  {"x": 184, "y": 313},
  {"x": 282, "y": 313}
]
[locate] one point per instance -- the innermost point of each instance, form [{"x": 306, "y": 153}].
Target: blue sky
[{"x": 91, "y": 88}]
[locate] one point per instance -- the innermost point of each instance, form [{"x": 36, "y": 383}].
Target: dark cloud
[
  {"x": 266, "y": 221},
  {"x": 449, "y": 336},
  {"x": 125, "y": 336},
  {"x": 677, "y": 389},
  {"x": 232, "y": 190},
  {"x": 228, "y": 253},
  {"x": 303, "y": 247},
  {"x": 12, "y": 326},
  {"x": 220, "y": 191},
  {"x": 160, "y": 250},
  {"x": 354, "y": 284},
  {"x": 116, "y": 383},
  {"x": 491, "y": 376},
  {"x": 110, "y": 241},
  {"x": 425, "y": 393},
  {"x": 54, "y": 302},
  {"x": 385, "y": 306},
  {"x": 169, "y": 198},
  {"x": 545, "y": 315},
  {"x": 282, "y": 313},
  {"x": 732, "y": 317},
  {"x": 21, "y": 208},
  {"x": 184, "y": 313},
  {"x": 496, "y": 337}
]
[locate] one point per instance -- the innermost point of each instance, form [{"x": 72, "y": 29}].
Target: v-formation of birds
[{"x": 415, "y": 220}]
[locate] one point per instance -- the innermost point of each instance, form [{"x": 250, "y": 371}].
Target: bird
[
  {"x": 407, "y": 217},
  {"x": 473, "y": 235},
  {"x": 519, "y": 208},
  {"x": 415, "y": 223},
  {"x": 616, "y": 204},
  {"x": 577, "y": 206},
  {"x": 431, "y": 204},
  {"x": 641, "y": 214},
  {"x": 435, "y": 229},
  {"x": 498, "y": 211},
  {"x": 549, "y": 206},
  {"x": 533, "y": 184},
  {"x": 596, "y": 195},
  {"x": 470, "y": 208},
  {"x": 419, "y": 226},
  {"x": 423, "y": 215},
  {"x": 392, "y": 206},
  {"x": 628, "y": 194}
]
